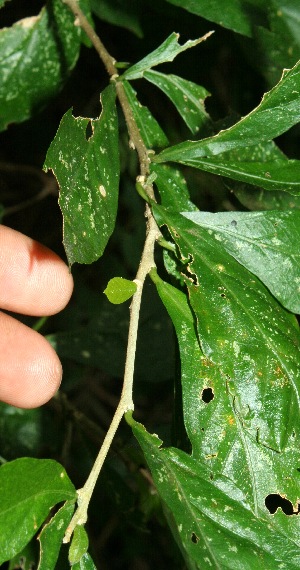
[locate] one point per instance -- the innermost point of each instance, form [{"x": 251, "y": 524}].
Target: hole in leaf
[
  {"x": 275, "y": 501},
  {"x": 207, "y": 395},
  {"x": 89, "y": 131},
  {"x": 194, "y": 538}
]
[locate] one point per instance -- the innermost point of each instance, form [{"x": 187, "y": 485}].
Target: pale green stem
[{"x": 126, "y": 402}]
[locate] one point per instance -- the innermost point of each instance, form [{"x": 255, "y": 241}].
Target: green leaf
[
  {"x": 85, "y": 563},
  {"x": 211, "y": 519},
  {"x": 167, "y": 51},
  {"x": 123, "y": 13},
  {"x": 232, "y": 14},
  {"x": 172, "y": 188},
  {"x": 243, "y": 330},
  {"x": 119, "y": 290},
  {"x": 275, "y": 175},
  {"x": 36, "y": 57},
  {"x": 88, "y": 175},
  {"x": 188, "y": 97},
  {"x": 266, "y": 243},
  {"x": 225, "y": 452},
  {"x": 150, "y": 131},
  {"x": 79, "y": 546},
  {"x": 29, "y": 488},
  {"x": 278, "y": 111},
  {"x": 52, "y": 535}
]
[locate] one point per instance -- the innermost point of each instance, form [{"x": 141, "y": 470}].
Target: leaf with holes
[
  {"x": 218, "y": 429},
  {"x": 210, "y": 518},
  {"x": 87, "y": 170}
]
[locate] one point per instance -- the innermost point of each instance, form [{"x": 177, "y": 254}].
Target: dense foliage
[{"x": 203, "y": 136}]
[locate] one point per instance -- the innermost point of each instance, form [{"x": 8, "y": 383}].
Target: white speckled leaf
[
  {"x": 151, "y": 133},
  {"x": 266, "y": 243},
  {"x": 167, "y": 51},
  {"x": 188, "y": 97},
  {"x": 209, "y": 516},
  {"x": 87, "y": 171},
  {"x": 278, "y": 111},
  {"x": 36, "y": 56},
  {"x": 243, "y": 330}
]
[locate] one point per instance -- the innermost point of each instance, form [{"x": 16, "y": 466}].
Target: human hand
[{"x": 33, "y": 281}]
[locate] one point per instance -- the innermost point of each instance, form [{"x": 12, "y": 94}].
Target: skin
[{"x": 33, "y": 281}]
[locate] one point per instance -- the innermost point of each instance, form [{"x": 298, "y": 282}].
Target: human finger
[
  {"x": 30, "y": 370},
  {"x": 33, "y": 279}
]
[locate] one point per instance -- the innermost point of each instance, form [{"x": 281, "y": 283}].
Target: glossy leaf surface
[
  {"x": 52, "y": 535},
  {"x": 29, "y": 488},
  {"x": 167, "y": 51},
  {"x": 278, "y": 111},
  {"x": 214, "y": 524},
  {"x": 36, "y": 56},
  {"x": 87, "y": 170},
  {"x": 244, "y": 331},
  {"x": 277, "y": 175},
  {"x": 266, "y": 243},
  {"x": 188, "y": 97},
  {"x": 151, "y": 133}
]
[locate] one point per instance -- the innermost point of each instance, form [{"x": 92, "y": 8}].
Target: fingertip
[{"x": 30, "y": 370}]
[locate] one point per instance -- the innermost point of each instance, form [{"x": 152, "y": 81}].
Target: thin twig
[
  {"x": 126, "y": 402},
  {"x": 146, "y": 264}
]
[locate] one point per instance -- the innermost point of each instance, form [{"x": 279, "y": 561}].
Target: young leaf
[
  {"x": 29, "y": 76},
  {"x": 151, "y": 133},
  {"x": 167, "y": 51},
  {"x": 88, "y": 175},
  {"x": 243, "y": 330},
  {"x": 52, "y": 534},
  {"x": 278, "y": 111},
  {"x": 29, "y": 488},
  {"x": 188, "y": 97},
  {"x": 119, "y": 290},
  {"x": 79, "y": 545},
  {"x": 213, "y": 524},
  {"x": 266, "y": 243}
]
